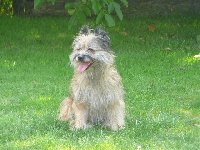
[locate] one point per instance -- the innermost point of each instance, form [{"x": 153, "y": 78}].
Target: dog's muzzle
[
  {"x": 83, "y": 58},
  {"x": 85, "y": 62}
]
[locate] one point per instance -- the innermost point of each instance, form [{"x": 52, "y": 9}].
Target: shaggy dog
[{"x": 96, "y": 91}]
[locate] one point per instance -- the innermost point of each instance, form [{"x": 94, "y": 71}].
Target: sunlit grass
[{"x": 159, "y": 72}]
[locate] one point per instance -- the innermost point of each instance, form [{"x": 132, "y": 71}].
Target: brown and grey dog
[{"x": 96, "y": 91}]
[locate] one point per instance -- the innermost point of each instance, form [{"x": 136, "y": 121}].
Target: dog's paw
[
  {"x": 62, "y": 117},
  {"x": 65, "y": 110},
  {"x": 114, "y": 126},
  {"x": 77, "y": 126}
]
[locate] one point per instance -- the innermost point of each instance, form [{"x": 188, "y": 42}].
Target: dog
[{"x": 96, "y": 94}]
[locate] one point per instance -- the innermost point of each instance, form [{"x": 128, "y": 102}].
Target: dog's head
[{"x": 91, "y": 48}]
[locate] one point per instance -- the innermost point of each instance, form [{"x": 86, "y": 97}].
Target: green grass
[{"x": 160, "y": 76}]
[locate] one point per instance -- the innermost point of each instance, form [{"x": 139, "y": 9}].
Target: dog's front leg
[
  {"x": 81, "y": 115},
  {"x": 116, "y": 113}
]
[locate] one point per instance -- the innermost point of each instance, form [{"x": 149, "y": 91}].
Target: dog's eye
[
  {"x": 91, "y": 50},
  {"x": 78, "y": 49}
]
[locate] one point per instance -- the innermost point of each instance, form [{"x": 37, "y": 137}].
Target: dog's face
[{"x": 91, "y": 48}]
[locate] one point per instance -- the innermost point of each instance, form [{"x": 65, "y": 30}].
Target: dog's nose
[
  {"x": 84, "y": 58},
  {"x": 81, "y": 57}
]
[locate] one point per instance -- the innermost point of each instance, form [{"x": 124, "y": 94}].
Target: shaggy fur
[{"x": 96, "y": 91}]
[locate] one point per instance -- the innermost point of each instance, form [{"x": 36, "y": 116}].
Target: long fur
[{"x": 96, "y": 94}]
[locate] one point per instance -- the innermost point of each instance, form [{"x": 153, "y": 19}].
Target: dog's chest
[{"x": 94, "y": 92}]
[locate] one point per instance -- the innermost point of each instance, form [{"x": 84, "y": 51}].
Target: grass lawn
[{"x": 160, "y": 76}]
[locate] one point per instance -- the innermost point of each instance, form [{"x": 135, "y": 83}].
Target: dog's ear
[
  {"x": 100, "y": 32},
  {"x": 103, "y": 36},
  {"x": 85, "y": 30}
]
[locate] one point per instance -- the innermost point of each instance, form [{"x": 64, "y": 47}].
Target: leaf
[
  {"x": 198, "y": 38},
  {"x": 152, "y": 27},
  {"x": 77, "y": 18},
  {"x": 87, "y": 11},
  {"x": 38, "y": 3},
  {"x": 118, "y": 10},
  {"x": 125, "y": 2},
  {"x": 110, "y": 21},
  {"x": 96, "y": 7},
  {"x": 70, "y": 5},
  {"x": 99, "y": 17},
  {"x": 110, "y": 8},
  {"x": 81, "y": 17},
  {"x": 72, "y": 21},
  {"x": 71, "y": 11},
  {"x": 105, "y": 2},
  {"x": 71, "y": 8},
  {"x": 52, "y": 1}
]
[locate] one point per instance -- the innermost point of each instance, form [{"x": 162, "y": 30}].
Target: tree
[
  {"x": 22, "y": 7},
  {"x": 18, "y": 7},
  {"x": 80, "y": 10}
]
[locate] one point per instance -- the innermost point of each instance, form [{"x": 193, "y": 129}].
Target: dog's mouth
[{"x": 85, "y": 65}]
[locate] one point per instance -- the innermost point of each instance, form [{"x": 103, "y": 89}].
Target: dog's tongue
[{"x": 83, "y": 66}]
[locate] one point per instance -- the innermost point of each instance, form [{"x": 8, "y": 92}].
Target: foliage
[
  {"x": 6, "y": 7},
  {"x": 83, "y": 9}
]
